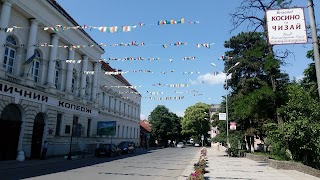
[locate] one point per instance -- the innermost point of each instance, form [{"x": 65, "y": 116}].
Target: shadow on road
[{"x": 33, "y": 168}]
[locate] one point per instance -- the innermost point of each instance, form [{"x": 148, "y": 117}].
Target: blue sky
[{"x": 213, "y": 27}]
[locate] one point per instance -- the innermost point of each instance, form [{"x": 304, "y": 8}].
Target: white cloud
[
  {"x": 142, "y": 117},
  {"x": 210, "y": 79},
  {"x": 299, "y": 78}
]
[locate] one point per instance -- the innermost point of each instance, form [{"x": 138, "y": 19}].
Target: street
[{"x": 166, "y": 163}]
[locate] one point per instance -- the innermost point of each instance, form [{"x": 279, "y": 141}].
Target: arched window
[
  {"x": 56, "y": 75},
  {"x": 35, "y": 68},
  {"x": 9, "y": 54},
  {"x": 74, "y": 80},
  {"x": 87, "y": 90}
]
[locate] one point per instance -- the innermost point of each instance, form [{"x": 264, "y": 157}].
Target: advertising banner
[{"x": 107, "y": 128}]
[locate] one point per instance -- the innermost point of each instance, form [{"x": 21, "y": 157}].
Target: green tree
[
  {"x": 165, "y": 124},
  {"x": 301, "y": 127},
  {"x": 196, "y": 121},
  {"x": 254, "y": 98}
]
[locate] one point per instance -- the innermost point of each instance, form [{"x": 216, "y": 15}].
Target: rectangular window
[
  {"x": 128, "y": 110},
  {"x": 56, "y": 78},
  {"x": 58, "y": 125},
  {"x": 124, "y": 108},
  {"x": 73, "y": 84},
  {"x": 75, "y": 122},
  {"x": 120, "y": 103},
  {"x": 127, "y": 132},
  {"x": 67, "y": 129},
  {"x": 88, "y": 127},
  {"x": 122, "y": 131},
  {"x": 35, "y": 70},
  {"x": 131, "y": 111},
  {"x": 109, "y": 105},
  {"x": 9, "y": 57},
  {"x": 134, "y": 132},
  {"x": 118, "y": 131},
  {"x": 115, "y": 106},
  {"x": 103, "y": 100}
]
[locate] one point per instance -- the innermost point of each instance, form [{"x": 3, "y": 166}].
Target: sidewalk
[
  {"x": 222, "y": 167},
  {"x": 4, "y": 165}
]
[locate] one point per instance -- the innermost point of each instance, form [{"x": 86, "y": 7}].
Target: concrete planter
[
  {"x": 257, "y": 157},
  {"x": 288, "y": 165}
]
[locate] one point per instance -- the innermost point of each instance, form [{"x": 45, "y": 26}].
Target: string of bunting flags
[
  {"x": 108, "y": 29},
  {"x": 130, "y": 44},
  {"x": 138, "y": 71},
  {"x": 172, "y": 85}
]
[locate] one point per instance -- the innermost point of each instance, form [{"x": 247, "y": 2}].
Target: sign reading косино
[{"x": 286, "y": 26}]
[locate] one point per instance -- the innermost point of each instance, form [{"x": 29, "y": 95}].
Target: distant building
[
  {"x": 146, "y": 139},
  {"x": 214, "y": 109},
  {"x": 44, "y": 97}
]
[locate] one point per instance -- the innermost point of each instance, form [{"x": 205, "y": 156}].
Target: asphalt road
[{"x": 166, "y": 163}]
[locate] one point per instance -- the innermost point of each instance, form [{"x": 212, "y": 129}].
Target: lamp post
[{"x": 226, "y": 81}]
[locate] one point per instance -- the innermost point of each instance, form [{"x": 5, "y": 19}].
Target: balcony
[
  {"x": 39, "y": 87},
  {"x": 12, "y": 78},
  {"x": 60, "y": 94}
]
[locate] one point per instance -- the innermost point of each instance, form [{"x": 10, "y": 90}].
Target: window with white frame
[
  {"x": 127, "y": 132},
  {"x": 103, "y": 99},
  {"x": 124, "y": 108},
  {"x": 9, "y": 54},
  {"x": 120, "y": 103},
  {"x": 118, "y": 131},
  {"x": 56, "y": 75},
  {"x": 128, "y": 110},
  {"x": 115, "y": 106},
  {"x": 35, "y": 68},
  {"x": 109, "y": 104},
  {"x": 74, "y": 80},
  {"x": 134, "y": 132},
  {"x": 122, "y": 131},
  {"x": 87, "y": 90}
]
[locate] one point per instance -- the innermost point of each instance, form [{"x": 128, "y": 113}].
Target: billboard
[
  {"x": 107, "y": 128},
  {"x": 286, "y": 26}
]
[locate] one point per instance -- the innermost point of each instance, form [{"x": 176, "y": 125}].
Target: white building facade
[{"x": 46, "y": 99}]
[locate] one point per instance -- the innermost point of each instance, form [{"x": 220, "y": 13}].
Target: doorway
[
  {"x": 37, "y": 134},
  {"x": 10, "y": 126}
]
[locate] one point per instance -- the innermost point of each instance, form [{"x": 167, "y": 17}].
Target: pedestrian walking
[{"x": 44, "y": 150}]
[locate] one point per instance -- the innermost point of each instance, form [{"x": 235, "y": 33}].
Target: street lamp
[{"x": 226, "y": 80}]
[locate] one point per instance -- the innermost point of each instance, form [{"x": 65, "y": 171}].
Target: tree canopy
[
  {"x": 196, "y": 121},
  {"x": 165, "y": 124}
]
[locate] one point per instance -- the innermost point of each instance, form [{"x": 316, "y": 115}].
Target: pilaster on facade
[
  {"x": 4, "y": 21},
  {"x": 30, "y": 52},
  {"x": 52, "y": 60}
]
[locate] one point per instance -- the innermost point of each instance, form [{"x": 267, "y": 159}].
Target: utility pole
[{"x": 314, "y": 42}]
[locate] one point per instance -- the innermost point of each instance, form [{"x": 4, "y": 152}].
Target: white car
[
  {"x": 180, "y": 145},
  {"x": 196, "y": 144}
]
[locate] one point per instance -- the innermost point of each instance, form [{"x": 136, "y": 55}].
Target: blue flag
[{"x": 31, "y": 59}]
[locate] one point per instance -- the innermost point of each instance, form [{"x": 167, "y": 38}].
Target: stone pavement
[{"x": 223, "y": 167}]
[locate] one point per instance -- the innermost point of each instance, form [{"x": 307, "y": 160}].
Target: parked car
[
  {"x": 107, "y": 150},
  {"x": 196, "y": 144},
  {"x": 181, "y": 145},
  {"x": 127, "y": 147}
]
